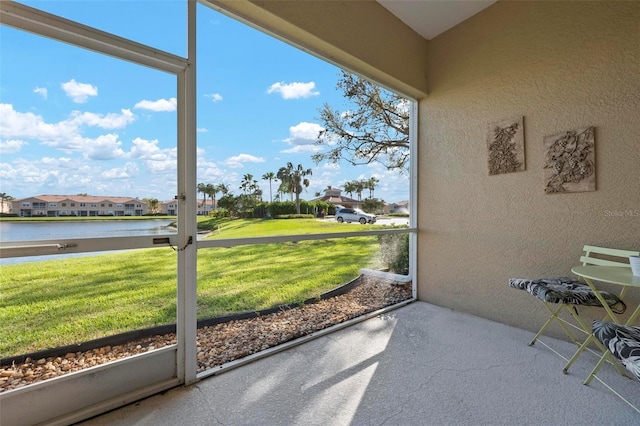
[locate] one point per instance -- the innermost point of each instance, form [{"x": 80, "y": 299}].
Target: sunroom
[{"x": 551, "y": 67}]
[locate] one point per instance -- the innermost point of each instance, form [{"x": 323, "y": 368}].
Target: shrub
[
  {"x": 294, "y": 216},
  {"x": 219, "y": 213},
  {"x": 395, "y": 252}
]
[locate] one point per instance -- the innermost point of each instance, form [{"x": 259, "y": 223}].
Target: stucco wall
[{"x": 561, "y": 65}]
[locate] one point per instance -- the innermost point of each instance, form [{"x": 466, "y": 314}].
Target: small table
[{"x": 619, "y": 275}]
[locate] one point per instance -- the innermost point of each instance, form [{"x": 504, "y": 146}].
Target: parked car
[{"x": 354, "y": 215}]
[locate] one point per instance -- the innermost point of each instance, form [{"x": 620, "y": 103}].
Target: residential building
[
  {"x": 334, "y": 196},
  {"x": 169, "y": 208},
  {"x": 79, "y": 205},
  {"x": 205, "y": 206},
  {"x": 399, "y": 207}
]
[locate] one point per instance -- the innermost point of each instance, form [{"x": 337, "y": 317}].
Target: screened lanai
[{"x": 559, "y": 65}]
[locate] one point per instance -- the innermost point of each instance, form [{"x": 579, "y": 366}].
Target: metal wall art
[
  {"x": 505, "y": 145},
  {"x": 570, "y": 162}
]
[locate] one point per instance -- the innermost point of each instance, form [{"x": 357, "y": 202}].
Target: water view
[{"x": 39, "y": 231}]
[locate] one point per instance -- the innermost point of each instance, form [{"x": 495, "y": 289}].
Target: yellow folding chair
[
  {"x": 569, "y": 293},
  {"x": 623, "y": 344}
]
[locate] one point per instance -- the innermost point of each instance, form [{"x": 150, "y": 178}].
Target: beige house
[
  {"x": 169, "y": 208},
  {"x": 79, "y": 205},
  {"x": 334, "y": 196},
  {"x": 401, "y": 207},
  {"x": 205, "y": 207}
]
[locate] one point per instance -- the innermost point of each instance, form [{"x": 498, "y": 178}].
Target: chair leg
[
  {"x": 555, "y": 317},
  {"x": 582, "y": 347},
  {"x": 606, "y": 357}
]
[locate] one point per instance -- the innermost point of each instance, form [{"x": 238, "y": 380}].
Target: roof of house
[{"x": 80, "y": 198}]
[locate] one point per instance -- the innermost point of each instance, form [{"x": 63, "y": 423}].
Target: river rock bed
[{"x": 225, "y": 342}]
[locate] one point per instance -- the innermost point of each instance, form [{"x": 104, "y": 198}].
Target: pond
[{"x": 50, "y": 230}]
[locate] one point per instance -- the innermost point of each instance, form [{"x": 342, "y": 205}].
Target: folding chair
[
  {"x": 622, "y": 343},
  {"x": 569, "y": 293}
]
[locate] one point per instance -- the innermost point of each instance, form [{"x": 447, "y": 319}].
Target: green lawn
[{"x": 59, "y": 302}]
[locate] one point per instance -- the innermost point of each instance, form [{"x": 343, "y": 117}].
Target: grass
[
  {"x": 237, "y": 228},
  {"x": 60, "y": 302}
]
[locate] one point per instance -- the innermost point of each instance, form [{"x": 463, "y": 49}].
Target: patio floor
[{"x": 417, "y": 365}]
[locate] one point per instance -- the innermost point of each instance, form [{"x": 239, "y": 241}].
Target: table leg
[{"x": 605, "y": 351}]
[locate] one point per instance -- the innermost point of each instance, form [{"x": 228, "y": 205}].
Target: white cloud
[
  {"x": 105, "y": 147},
  {"x": 107, "y": 121},
  {"x": 238, "y": 161},
  {"x": 331, "y": 167},
  {"x": 161, "y": 105},
  {"x": 145, "y": 149},
  {"x": 209, "y": 171},
  {"x": 129, "y": 170},
  {"x": 48, "y": 174},
  {"x": 14, "y": 124},
  {"x": 392, "y": 186},
  {"x": 301, "y": 149},
  {"x": 215, "y": 97},
  {"x": 157, "y": 159},
  {"x": 404, "y": 105},
  {"x": 302, "y": 138},
  {"x": 66, "y": 135},
  {"x": 11, "y": 146},
  {"x": 42, "y": 91},
  {"x": 294, "y": 90},
  {"x": 202, "y": 130},
  {"x": 79, "y": 92}
]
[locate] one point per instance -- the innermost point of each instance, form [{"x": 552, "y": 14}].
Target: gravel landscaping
[{"x": 225, "y": 342}]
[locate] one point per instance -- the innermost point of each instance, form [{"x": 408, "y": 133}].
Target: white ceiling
[{"x": 432, "y": 17}]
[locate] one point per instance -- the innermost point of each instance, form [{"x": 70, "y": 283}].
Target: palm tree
[
  {"x": 246, "y": 184},
  {"x": 224, "y": 189},
  {"x": 296, "y": 180},
  {"x": 270, "y": 177},
  {"x": 202, "y": 188},
  {"x": 210, "y": 189},
  {"x": 371, "y": 185},
  {"x": 359, "y": 186},
  {"x": 286, "y": 182},
  {"x": 255, "y": 190},
  {"x": 350, "y": 188},
  {"x": 4, "y": 197}
]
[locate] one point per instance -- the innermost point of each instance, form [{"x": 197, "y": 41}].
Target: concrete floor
[{"x": 417, "y": 365}]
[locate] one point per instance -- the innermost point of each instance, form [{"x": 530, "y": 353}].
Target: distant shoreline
[{"x": 80, "y": 218}]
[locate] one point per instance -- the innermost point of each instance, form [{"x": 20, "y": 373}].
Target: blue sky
[{"x": 74, "y": 121}]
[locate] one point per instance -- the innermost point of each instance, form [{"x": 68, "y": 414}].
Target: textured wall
[{"x": 562, "y": 65}]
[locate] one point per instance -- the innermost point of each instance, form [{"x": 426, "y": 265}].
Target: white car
[{"x": 354, "y": 215}]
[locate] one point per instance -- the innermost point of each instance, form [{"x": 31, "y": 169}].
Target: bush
[
  {"x": 219, "y": 213},
  {"x": 395, "y": 252},
  {"x": 279, "y": 208},
  {"x": 294, "y": 216}
]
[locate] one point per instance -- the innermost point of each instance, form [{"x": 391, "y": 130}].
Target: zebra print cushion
[
  {"x": 623, "y": 341},
  {"x": 566, "y": 290}
]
